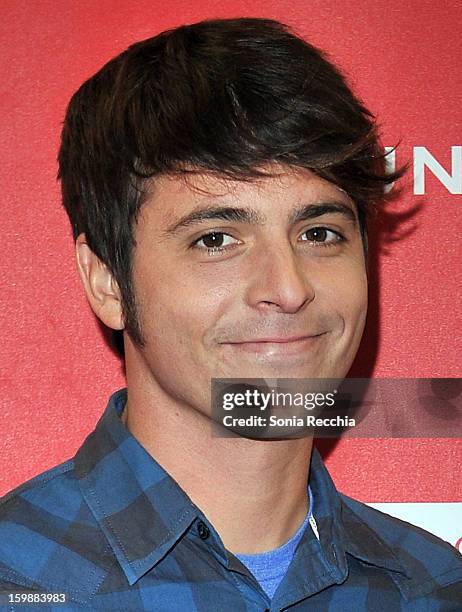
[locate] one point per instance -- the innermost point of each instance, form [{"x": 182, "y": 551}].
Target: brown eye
[
  {"x": 321, "y": 235},
  {"x": 213, "y": 240}
]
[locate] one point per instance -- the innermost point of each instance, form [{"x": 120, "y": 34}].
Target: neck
[{"x": 254, "y": 492}]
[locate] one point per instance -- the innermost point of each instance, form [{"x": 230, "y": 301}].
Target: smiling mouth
[{"x": 277, "y": 345}]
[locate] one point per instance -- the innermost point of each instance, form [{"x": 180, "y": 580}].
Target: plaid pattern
[{"x": 113, "y": 531}]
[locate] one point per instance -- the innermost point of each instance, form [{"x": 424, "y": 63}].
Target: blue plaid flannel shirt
[{"x": 111, "y": 530}]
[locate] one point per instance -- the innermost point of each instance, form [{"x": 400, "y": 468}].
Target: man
[{"x": 218, "y": 179}]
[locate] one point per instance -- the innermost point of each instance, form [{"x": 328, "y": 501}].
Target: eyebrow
[
  {"x": 253, "y": 217},
  {"x": 311, "y": 211}
]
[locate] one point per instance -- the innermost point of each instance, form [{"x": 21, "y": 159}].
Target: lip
[{"x": 277, "y": 345}]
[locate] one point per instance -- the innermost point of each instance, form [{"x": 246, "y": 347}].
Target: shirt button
[{"x": 203, "y": 530}]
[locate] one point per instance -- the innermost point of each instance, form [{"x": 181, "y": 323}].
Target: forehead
[{"x": 169, "y": 197}]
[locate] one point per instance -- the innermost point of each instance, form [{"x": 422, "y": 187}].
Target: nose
[{"x": 280, "y": 281}]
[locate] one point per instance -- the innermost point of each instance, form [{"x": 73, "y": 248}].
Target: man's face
[{"x": 262, "y": 279}]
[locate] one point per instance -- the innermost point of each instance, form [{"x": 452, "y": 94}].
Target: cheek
[
  {"x": 345, "y": 295},
  {"x": 354, "y": 309},
  {"x": 180, "y": 306},
  {"x": 354, "y": 290}
]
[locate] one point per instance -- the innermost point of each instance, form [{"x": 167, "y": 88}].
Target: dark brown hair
[{"x": 227, "y": 97}]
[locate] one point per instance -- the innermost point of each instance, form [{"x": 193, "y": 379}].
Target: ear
[{"x": 100, "y": 286}]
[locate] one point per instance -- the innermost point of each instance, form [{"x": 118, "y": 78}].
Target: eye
[
  {"x": 214, "y": 241},
  {"x": 321, "y": 236}
]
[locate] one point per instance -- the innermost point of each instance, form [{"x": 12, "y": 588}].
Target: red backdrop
[{"x": 56, "y": 370}]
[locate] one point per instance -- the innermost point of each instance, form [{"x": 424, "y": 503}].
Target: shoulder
[
  {"x": 46, "y": 481},
  {"x": 47, "y": 499},
  {"x": 428, "y": 564},
  {"x": 45, "y": 525}
]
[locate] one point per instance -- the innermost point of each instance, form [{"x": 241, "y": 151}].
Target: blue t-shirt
[{"x": 269, "y": 567}]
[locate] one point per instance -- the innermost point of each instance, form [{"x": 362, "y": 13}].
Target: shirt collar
[
  {"x": 140, "y": 508},
  {"x": 143, "y": 511},
  {"x": 342, "y": 530}
]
